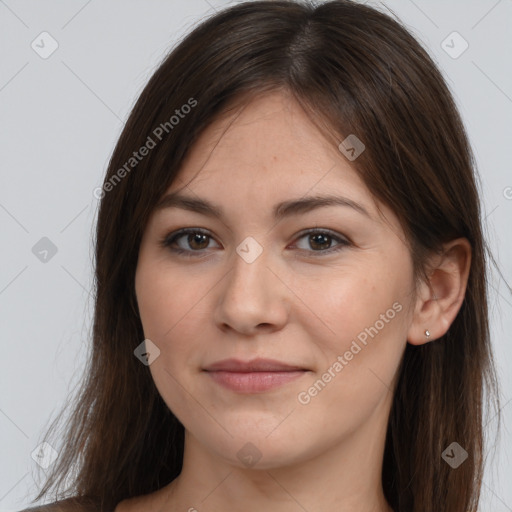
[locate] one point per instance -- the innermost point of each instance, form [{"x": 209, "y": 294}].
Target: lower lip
[{"x": 254, "y": 382}]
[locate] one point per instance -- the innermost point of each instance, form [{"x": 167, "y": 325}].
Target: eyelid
[
  {"x": 167, "y": 240},
  {"x": 342, "y": 240},
  {"x": 171, "y": 237}
]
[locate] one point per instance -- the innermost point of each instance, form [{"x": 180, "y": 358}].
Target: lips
[
  {"x": 256, "y": 376},
  {"x": 256, "y": 365}
]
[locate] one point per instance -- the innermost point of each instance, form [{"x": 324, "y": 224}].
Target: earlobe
[{"x": 440, "y": 299}]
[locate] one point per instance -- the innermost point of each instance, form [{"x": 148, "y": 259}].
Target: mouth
[{"x": 256, "y": 376}]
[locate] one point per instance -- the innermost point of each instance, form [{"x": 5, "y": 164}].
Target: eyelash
[{"x": 171, "y": 238}]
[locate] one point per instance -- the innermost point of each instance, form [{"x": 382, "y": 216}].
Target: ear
[{"x": 439, "y": 300}]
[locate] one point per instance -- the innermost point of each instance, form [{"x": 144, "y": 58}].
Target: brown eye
[
  {"x": 320, "y": 241},
  {"x": 199, "y": 239},
  {"x": 187, "y": 241}
]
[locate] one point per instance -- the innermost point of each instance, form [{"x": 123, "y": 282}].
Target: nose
[{"x": 252, "y": 297}]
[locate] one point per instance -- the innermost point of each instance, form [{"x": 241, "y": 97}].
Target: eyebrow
[{"x": 280, "y": 211}]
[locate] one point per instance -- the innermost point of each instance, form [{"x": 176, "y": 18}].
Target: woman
[{"x": 291, "y": 307}]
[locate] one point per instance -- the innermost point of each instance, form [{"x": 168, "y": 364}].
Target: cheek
[
  {"x": 366, "y": 312},
  {"x": 160, "y": 313},
  {"x": 171, "y": 310},
  {"x": 166, "y": 299},
  {"x": 360, "y": 359},
  {"x": 347, "y": 303}
]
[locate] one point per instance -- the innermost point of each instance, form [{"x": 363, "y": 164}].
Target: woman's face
[{"x": 335, "y": 305}]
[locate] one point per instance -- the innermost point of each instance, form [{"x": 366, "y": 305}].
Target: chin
[{"x": 257, "y": 450}]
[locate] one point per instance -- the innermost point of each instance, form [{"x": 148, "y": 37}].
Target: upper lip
[{"x": 255, "y": 365}]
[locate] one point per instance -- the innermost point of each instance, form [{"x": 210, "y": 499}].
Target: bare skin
[{"x": 315, "y": 450}]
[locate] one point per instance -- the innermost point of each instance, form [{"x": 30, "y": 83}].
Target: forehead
[{"x": 266, "y": 148}]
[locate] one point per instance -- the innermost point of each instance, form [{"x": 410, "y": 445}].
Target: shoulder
[
  {"x": 67, "y": 505},
  {"x": 152, "y": 502}
]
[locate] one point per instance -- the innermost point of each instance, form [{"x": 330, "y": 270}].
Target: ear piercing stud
[{"x": 427, "y": 333}]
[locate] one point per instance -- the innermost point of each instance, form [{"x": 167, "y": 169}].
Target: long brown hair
[{"x": 354, "y": 70}]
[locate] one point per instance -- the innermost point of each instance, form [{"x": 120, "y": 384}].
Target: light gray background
[{"x": 60, "y": 118}]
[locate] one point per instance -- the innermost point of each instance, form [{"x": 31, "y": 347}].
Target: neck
[{"x": 346, "y": 478}]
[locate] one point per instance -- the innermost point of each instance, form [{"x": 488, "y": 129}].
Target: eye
[
  {"x": 321, "y": 240},
  {"x": 195, "y": 238}
]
